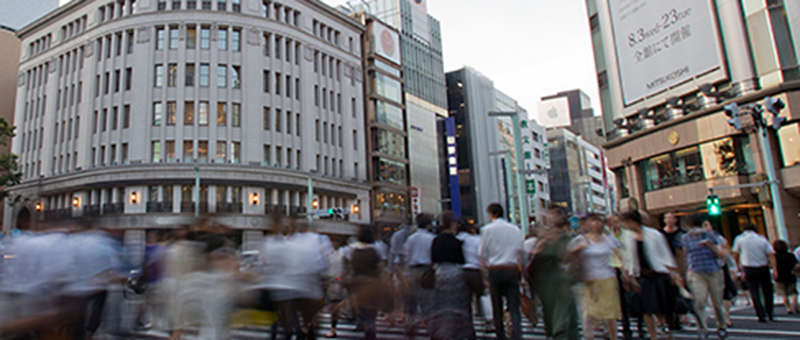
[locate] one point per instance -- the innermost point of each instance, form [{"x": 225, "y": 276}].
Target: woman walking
[
  {"x": 599, "y": 278},
  {"x": 451, "y": 318},
  {"x": 651, "y": 262},
  {"x": 365, "y": 284},
  {"x": 785, "y": 280}
]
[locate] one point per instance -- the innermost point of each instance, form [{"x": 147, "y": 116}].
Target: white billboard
[
  {"x": 660, "y": 44},
  {"x": 554, "y": 112},
  {"x": 386, "y": 42}
]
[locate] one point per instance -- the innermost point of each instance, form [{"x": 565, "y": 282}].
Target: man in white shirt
[
  {"x": 756, "y": 256},
  {"x": 417, "y": 254},
  {"x": 501, "y": 249}
]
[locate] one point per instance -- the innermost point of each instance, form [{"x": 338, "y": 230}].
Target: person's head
[
  {"x": 424, "y": 221},
  {"x": 750, "y": 227},
  {"x": 670, "y": 220},
  {"x": 706, "y": 225},
  {"x": 366, "y": 234},
  {"x": 467, "y": 227},
  {"x": 495, "y": 211},
  {"x": 612, "y": 221},
  {"x": 780, "y": 246},
  {"x": 449, "y": 221},
  {"x": 559, "y": 217},
  {"x": 592, "y": 223},
  {"x": 631, "y": 220}
]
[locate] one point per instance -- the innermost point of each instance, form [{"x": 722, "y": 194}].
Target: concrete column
[
  {"x": 736, "y": 42},
  {"x": 176, "y": 198},
  {"x": 212, "y": 201},
  {"x": 287, "y": 201}
]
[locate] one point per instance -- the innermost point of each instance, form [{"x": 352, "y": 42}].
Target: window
[
  {"x": 162, "y": 5},
  {"x": 159, "y": 75},
  {"x": 129, "y": 42},
  {"x": 206, "y": 4},
  {"x": 235, "y": 152},
  {"x": 188, "y": 113},
  {"x": 236, "y": 6},
  {"x": 316, "y": 95},
  {"x": 188, "y": 151},
  {"x": 158, "y": 111},
  {"x": 173, "y": 38},
  {"x": 265, "y": 41},
  {"x": 202, "y": 114},
  {"x": 235, "y": 77},
  {"x": 297, "y": 122},
  {"x": 288, "y": 122},
  {"x": 288, "y": 86},
  {"x": 297, "y": 88},
  {"x": 222, "y": 38},
  {"x": 115, "y": 118},
  {"x": 325, "y": 133},
  {"x": 221, "y": 5},
  {"x": 277, "y": 120},
  {"x": 103, "y": 122},
  {"x": 128, "y": 81},
  {"x": 355, "y": 139},
  {"x": 191, "y": 37},
  {"x": 277, "y": 83},
  {"x": 220, "y": 158},
  {"x": 172, "y": 112},
  {"x": 202, "y": 151},
  {"x": 222, "y": 75},
  {"x": 236, "y": 39},
  {"x": 124, "y": 153},
  {"x": 189, "y": 81},
  {"x": 353, "y": 106},
  {"x": 205, "y": 37},
  {"x": 172, "y": 75},
  {"x": 204, "y": 70},
  {"x": 176, "y": 4},
  {"x": 266, "y": 82},
  {"x": 278, "y": 156},
  {"x": 116, "y": 80},
  {"x": 278, "y": 42},
  {"x": 106, "y": 81},
  {"x": 316, "y": 132},
  {"x": 267, "y": 155},
  {"x": 155, "y": 152},
  {"x": 191, "y": 4},
  {"x": 221, "y": 116},
  {"x": 126, "y": 119},
  {"x": 169, "y": 151},
  {"x": 235, "y": 114},
  {"x": 267, "y": 120}
]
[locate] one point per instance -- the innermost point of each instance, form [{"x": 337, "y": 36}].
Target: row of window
[
  {"x": 103, "y": 85},
  {"x": 40, "y": 45},
  {"x": 201, "y": 115},
  {"x": 73, "y": 28},
  {"x": 280, "y": 13},
  {"x": 171, "y": 76},
  {"x": 283, "y": 48},
  {"x": 112, "y": 44},
  {"x": 99, "y": 158},
  {"x": 225, "y": 152},
  {"x": 101, "y": 121},
  {"x": 222, "y": 5},
  {"x": 116, "y": 10},
  {"x": 172, "y": 41}
]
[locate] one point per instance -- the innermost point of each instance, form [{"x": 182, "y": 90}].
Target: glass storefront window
[
  {"x": 789, "y": 139},
  {"x": 390, "y": 144},
  {"x": 391, "y": 172},
  {"x": 389, "y": 114},
  {"x": 388, "y": 69},
  {"x": 387, "y": 87},
  {"x": 390, "y": 203},
  {"x": 720, "y": 158}
]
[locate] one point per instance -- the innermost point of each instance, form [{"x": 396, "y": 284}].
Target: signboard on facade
[
  {"x": 416, "y": 204},
  {"x": 386, "y": 42},
  {"x": 419, "y": 18},
  {"x": 554, "y": 112},
  {"x": 452, "y": 165},
  {"x": 660, "y": 44},
  {"x": 530, "y": 186}
]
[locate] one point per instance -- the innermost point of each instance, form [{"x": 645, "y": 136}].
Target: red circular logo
[{"x": 387, "y": 42}]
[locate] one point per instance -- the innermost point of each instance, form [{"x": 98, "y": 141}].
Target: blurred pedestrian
[
  {"x": 599, "y": 279},
  {"x": 786, "y": 281},
  {"x": 757, "y": 257},
  {"x": 450, "y": 319},
  {"x": 674, "y": 233},
  {"x": 615, "y": 230},
  {"x": 473, "y": 276},
  {"x": 501, "y": 249},
  {"x": 365, "y": 269},
  {"x": 651, "y": 262},
  {"x": 706, "y": 277},
  {"x": 417, "y": 253}
]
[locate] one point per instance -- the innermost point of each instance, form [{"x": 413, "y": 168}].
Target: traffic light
[
  {"x": 732, "y": 111},
  {"x": 775, "y": 106},
  {"x": 713, "y": 205}
]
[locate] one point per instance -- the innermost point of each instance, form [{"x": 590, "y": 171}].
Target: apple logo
[{"x": 553, "y": 112}]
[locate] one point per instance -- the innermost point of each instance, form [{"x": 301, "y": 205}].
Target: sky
[{"x": 529, "y": 48}]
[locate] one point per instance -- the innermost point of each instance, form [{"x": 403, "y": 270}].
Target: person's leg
[
  {"x": 496, "y": 291},
  {"x": 768, "y": 291},
  {"x": 716, "y": 289},
  {"x": 793, "y": 300},
  {"x": 650, "y": 322},
  {"x": 513, "y": 299},
  {"x": 699, "y": 287},
  {"x": 754, "y": 287},
  {"x": 623, "y": 303},
  {"x": 611, "y": 325},
  {"x": 588, "y": 327}
]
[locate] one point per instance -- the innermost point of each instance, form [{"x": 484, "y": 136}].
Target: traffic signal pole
[{"x": 769, "y": 165}]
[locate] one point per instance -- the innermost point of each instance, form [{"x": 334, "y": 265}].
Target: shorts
[{"x": 786, "y": 289}]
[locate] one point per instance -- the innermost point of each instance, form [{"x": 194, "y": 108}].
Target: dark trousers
[
  {"x": 759, "y": 282},
  {"x": 88, "y": 313},
  {"x": 623, "y": 303},
  {"x": 367, "y": 317},
  {"x": 474, "y": 280},
  {"x": 505, "y": 283}
]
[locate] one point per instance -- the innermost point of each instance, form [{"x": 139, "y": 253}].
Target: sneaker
[{"x": 722, "y": 334}]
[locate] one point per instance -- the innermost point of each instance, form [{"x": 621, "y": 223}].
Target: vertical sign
[
  {"x": 527, "y": 160},
  {"x": 452, "y": 165},
  {"x": 416, "y": 205}
]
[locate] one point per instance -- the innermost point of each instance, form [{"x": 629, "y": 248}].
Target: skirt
[
  {"x": 654, "y": 297},
  {"x": 786, "y": 289},
  {"x": 450, "y": 318},
  {"x": 602, "y": 299}
]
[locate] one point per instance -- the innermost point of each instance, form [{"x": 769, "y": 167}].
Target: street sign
[
  {"x": 416, "y": 205},
  {"x": 530, "y": 187},
  {"x": 574, "y": 222}
]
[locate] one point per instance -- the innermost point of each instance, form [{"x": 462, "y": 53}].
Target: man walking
[
  {"x": 705, "y": 275},
  {"x": 417, "y": 254},
  {"x": 501, "y": 249},
  {"x": 756, "y": 256}
]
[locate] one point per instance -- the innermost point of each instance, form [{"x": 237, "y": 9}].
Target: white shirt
[
  {"x": 753, "y": 249},
  {"x": 659, "y": 256},
  {"x": 797, "y": 253},
  {"x": 530, "y": 249},
  {"x": 417, "y": 250},
  {"x": 470, "y": 246},
  {"x": 501, "y": 243},
  {"x": 597, "y": 256}
]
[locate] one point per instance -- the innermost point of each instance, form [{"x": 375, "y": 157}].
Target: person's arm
[{"x": 773, "y": 264}]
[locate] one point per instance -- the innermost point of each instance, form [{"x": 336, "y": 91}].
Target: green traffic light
[
  {"x": 713, "y": 205},
  {"x": 330, "y": 211}
]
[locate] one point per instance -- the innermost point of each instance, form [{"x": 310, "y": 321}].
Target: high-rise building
[
  {"x": 665, "y": 73},
  {"x": 122, "y": 105},
  {"x": 578, "y": 108},
  {"x": 536, "y": 156},
  {"x": 484, "y": 145},
  {"x": 425, "y": 99}
]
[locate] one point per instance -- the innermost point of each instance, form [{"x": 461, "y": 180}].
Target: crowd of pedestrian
[{"x": 433, "y": 277}]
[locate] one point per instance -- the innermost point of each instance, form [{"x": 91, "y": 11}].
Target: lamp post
[
  {"x": 523, "y": 201},
  {"x": 511, "y": 205}
]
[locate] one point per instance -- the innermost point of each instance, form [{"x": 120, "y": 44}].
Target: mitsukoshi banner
[{"x": 661, "y": 43}]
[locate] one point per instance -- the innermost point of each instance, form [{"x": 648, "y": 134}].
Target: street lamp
[
  {"x": 511, "y": 205},
  {"x": 518, "y": 153}
]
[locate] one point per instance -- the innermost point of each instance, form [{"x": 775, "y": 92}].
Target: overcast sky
[{"x": 530, "y": 48}]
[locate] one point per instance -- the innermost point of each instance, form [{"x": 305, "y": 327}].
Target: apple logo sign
[{"x": 553, "y": 112}]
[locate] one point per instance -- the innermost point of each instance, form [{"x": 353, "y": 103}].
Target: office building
[
  {"x": 536, "y": 156},
  {"x": 573, "y": 107},
  {"x": 578, "y": 179},
  {"x": 122, "y": 105},
  {"x": 663, "y": 94}
]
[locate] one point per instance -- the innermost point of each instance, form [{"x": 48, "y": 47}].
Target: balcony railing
[
  {"x": 113, "y": 208},
  {"x": 91, "y": 210},
  {"x": 157, "y": 206},
  {"x": 234, "y": 207}
]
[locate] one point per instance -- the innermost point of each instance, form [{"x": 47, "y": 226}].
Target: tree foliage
[{"x": 9, "y": 169}]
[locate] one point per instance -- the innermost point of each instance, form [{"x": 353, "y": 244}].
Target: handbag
[{"x": 428, "y": 278}]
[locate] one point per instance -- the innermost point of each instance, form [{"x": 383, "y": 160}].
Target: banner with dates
[{"x": 660, "y": 44}]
